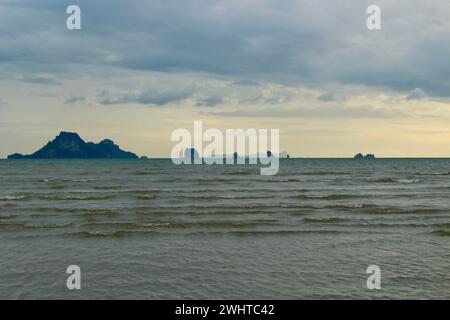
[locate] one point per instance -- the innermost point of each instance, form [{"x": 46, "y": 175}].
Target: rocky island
[
  {"x": 69, "y": 145},
  {"x": 360, "y": 156}
]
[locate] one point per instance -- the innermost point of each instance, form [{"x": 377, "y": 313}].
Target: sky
[{"x": 139, "y": 69}]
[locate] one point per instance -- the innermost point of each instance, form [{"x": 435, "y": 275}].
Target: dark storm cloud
[{"x": 302, "y": 41}]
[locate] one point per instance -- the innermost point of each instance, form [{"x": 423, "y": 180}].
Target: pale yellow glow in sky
[{"x": 363, "y": 120}]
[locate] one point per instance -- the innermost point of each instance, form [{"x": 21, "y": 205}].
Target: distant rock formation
[
  {"x": 190, "y": 154},
  {"x": 284, "y": 155},
  {"x": 360, "y": 156},
  {"x": 144, "y": 158},
  {"x": 69, "y": 145}
]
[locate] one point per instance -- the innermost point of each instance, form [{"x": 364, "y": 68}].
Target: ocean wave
[
  {"x": 284, "y": 232},
  {"x": 234, "y": 190},
  {"x": 110, "y": 187},
  {"x": 12, "y": 198},
  {"x": 176, "y": 209},
  {"x": 239, "y": 173},
  {"x": 226, "y": 197},
  {"x": 99, "y": 211},
  {"x": 8, "y": 217},
  {"x": 47, "y": 225},
  {"x": 363, "y": 208},
  {"x": 144, "y": 173},
  {"x": 55, "y": 210},
  {"x": 325, "y": 173},
  {"x": 275, "y": 180},
  {"x": 124, "y": 225},
  {"x": 408, "y": 181},
  {"x": 345, "y": 207},
  {"x": 441, "y": 233},
  {"x": 100, "y": 234},
  {"x": 216, "y": 211},
  {"x": 375, "y": 209},
  {"x": 386, "y": 225},
  {"x": 233, "y": 181},
  {"x": 77, "y": 197},
  {"x": 442, "y": 225},
  {"x": 179, "y": 224},
  {"x": 13, "y": 226},
  {"x": 40, "y": 215},
  {"x": 75, "y": 210},
  {"x": 433, "y": 173},
  {"x": 255, "y": 206},
  {"x": 397, "y": 180},
  {"x": 324, "y": 197},
  {"x": 141, "y": 191},
  {"x": 324, "y": 220},
  {"x": 81, "y": 180},
  {"x": 147, "y": 196},
  {"x": 51, "y": 180},
  {"x": 223, "y": 224},
  {"x": 18, "y": 226}
]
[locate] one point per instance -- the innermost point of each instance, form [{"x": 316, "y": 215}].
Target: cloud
[
  {"x": 40, "y": 80},
  {"x": 210, "y": 101},
  {"x": 416, "y": 94},
  {"x": 295, "y": 42},
  {"x": 330, "y": 97},
  {"x": 75, "y": 100},
  {"x": 246, "y": 82},
  {"x": 269, "y": 94},
  {"x": 147, "y": 97},
  {"x": 317, "y": 112}
]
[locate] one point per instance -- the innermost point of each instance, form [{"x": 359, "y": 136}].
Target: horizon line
[{"x": 306, "y": 157}]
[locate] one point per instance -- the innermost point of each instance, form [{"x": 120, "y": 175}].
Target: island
[
  {"x": 69, "y": 145},
  {"x": 284, "y": 155},
  {"x": 360, "y": 156},
  {"x": 191, "y": 155}
]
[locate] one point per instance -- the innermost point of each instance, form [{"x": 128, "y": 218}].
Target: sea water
[{"x": 153, "y": 230}]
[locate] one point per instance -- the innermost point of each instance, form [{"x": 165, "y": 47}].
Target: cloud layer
[{"x": 248, "y": 40}]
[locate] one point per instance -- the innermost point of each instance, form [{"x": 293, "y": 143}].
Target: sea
[{"x": 148, "y": 229}]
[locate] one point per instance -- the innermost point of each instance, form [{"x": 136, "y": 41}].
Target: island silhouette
[
  {"x": 69, "y": 145},
  {"x": 360, "y": 156}
]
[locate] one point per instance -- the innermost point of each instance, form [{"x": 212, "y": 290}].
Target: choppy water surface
[{"x": 153, "y": 230}]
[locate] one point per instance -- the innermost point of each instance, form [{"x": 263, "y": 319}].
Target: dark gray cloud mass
[{"x": 301, "y": 41}]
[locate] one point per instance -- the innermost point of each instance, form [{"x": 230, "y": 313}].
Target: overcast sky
[{"x": 138, "y": 69}]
